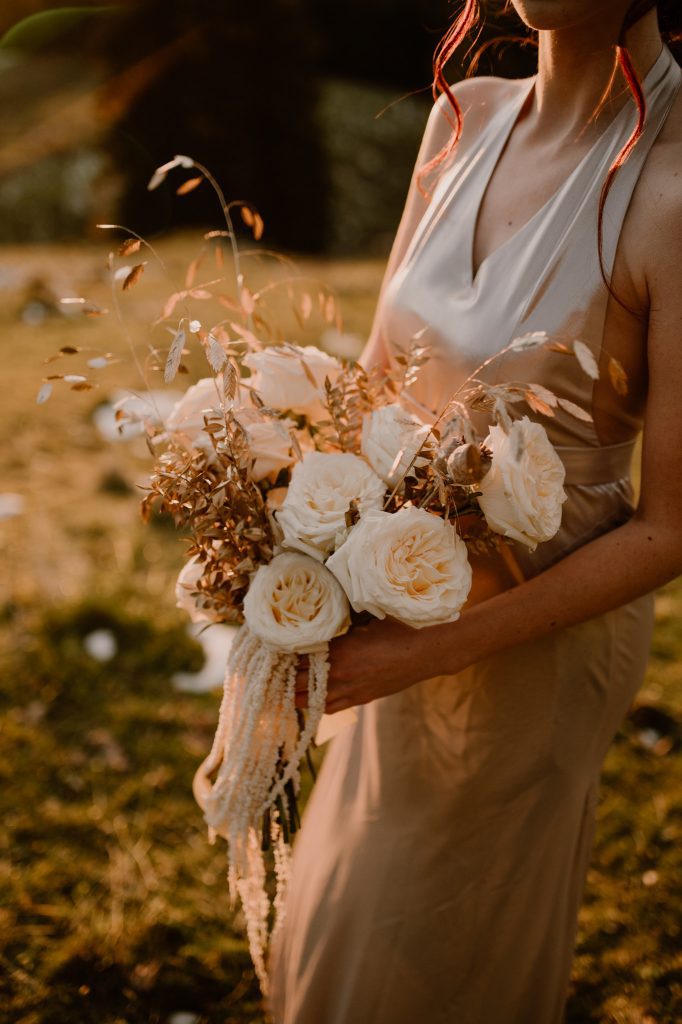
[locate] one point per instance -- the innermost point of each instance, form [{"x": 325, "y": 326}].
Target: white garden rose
[
  {"x": 282, "y": 382},
  {"x": 187, "y": 415},
  {"x": 385, "y": 432},
  {"x": 270, "y": 442},
  {"x": 294, "y": 604},
  {"x": 410, "y": 564},
  {"x": 523, "y": 491},
  {"x": 323, "y": 485},
  {"x": 269, "y": 439},
  {"x": 187, "y": 581}
]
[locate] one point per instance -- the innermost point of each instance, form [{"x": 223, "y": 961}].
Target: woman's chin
[{"x": 556, "y": 15}]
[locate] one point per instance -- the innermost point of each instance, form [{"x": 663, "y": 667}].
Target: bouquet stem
[{"x": 258, "y": 746}]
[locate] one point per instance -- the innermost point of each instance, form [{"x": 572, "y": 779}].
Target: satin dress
[{"x": 441, "y": 864}]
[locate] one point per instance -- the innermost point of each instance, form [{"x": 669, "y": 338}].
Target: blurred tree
[
  {"x": 236, "y": 92},
  {"x": 279, "y": 98}
]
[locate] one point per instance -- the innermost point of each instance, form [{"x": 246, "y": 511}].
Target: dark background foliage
[{"x": 279, "y": 98}]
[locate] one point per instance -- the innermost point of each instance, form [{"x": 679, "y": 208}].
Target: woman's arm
[{"x": 384, "y": 657}]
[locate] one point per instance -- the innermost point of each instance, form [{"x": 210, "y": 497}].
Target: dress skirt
[{"x": 442, "y": 859}]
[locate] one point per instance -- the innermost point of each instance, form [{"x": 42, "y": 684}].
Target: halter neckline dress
[{"x": 441, "y": 864}]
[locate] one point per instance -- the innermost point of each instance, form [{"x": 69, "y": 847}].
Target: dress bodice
[{"x": 545, "y": 277}]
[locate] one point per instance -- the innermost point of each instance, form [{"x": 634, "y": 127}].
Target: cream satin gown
[{"x": 440, "y": 868}]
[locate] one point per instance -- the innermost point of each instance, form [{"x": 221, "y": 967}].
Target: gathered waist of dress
[{"x": 598, "y": 465}]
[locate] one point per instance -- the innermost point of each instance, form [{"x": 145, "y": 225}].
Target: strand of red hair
[
  {"x": 636, "y": 11},
  {"x": 455, "y": 35}
]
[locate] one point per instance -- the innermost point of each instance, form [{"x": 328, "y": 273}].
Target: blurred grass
[{"x": 114, "y": 906}]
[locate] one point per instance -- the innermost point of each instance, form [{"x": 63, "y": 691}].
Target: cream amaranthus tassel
[{"x": 256, "y": 752}]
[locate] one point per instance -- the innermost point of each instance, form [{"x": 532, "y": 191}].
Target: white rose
[
  {"x": 187, "y": 415},
  {"x": 294, "y": 604},
  {"x": 187, "y": 581},
  {"x": 410, "y": 565},
  {"x": 282, "y": 382},
  {"x": 270, "y": 443},
  {"x": 387, "y": 431},
  {"x": 323, "y": 484},
  {"x": 269, "y": 440},
  {"x": 523, "y": 491}
]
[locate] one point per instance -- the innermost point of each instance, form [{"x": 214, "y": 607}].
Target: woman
[{"x": 440, "y": 868}]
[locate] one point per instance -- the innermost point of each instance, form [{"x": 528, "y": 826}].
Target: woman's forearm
[{"x": 610, "y": 571}]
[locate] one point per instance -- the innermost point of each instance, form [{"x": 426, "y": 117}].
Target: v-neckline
[{"x": 516, "y": 104}]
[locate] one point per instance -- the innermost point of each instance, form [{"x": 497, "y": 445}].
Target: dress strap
[{"x": 602, "y": 465}]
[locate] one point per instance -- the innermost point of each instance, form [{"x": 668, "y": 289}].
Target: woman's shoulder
[
  {"x": 652, "y": 232},
  {"x": 479, "y": 98}
]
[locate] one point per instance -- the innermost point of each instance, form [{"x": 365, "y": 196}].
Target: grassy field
[{"x": 113, "y": 905}]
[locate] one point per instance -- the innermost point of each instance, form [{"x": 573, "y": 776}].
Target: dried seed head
[{"x": 468, "y": 463}]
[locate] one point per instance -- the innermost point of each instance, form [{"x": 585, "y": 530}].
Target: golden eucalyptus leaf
[
  {"x": 134, "y": 276},
  {"x": 618, "y": 376},
  {"x": 188, "y": 186}
]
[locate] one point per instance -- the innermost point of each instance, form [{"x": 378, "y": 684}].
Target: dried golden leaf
[
  {"x": 586, "y": 359},
  {"x": 246, "y": 334},
  {"x": 188, "y": 186},
  {"x": 93, "y": 310},
  {"x": 538, "y": 404},
  {"x": 215, "y": 353},
  {"x": 248, "y": 303},
  {"x": 247, "y": 216},
  {"x": 130, "y": 245},
  {"x": 306, "y": 305},
  {"x": 221, "y": 334},
  {"x": 396, "y": 462},
  {"x": 230, "y": 381},
  {"x": 575, "y": 410},
  {"x": 544, "y": 393},
  {"x": 133, "y": 276},
  {"x": 558, "y": 346},
  {"x": 44, "y": 393},
  {"x": 258, "y": 226},
  {"x": 68, "y": 350},
  {"x": 309, "y": 374},
  {"x": 229, "y": 303},
  {"x": 160, "y": 173},
  {"x": 174, "y": 356},
  {"x": 200, "y": 293},
  {"x": 171, "y": 303},
  {"x": 618, "y": 376},
  {"x": 83, "y": 385},
  {"x": 192, "y": 269},
  {"x": 330, "y": 309},
  {"x": 526, "y": 341}
]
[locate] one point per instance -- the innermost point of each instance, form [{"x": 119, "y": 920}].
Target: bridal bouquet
[
  {"x": 315, "y": 491},
  {"x": 314, "y": 494}
]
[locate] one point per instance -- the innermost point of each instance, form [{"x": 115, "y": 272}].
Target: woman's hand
[{"x": 371, "y": 661}]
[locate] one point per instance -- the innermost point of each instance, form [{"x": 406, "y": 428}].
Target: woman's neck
[{"x": 574, "y": 69}]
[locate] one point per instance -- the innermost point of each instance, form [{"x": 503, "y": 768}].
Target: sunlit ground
[{"x": 114, "y": 905}]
